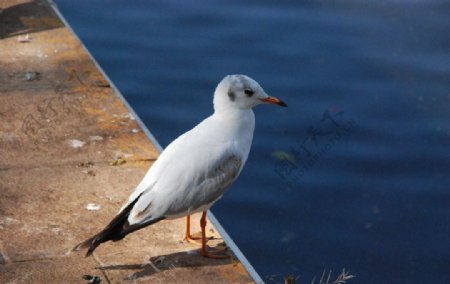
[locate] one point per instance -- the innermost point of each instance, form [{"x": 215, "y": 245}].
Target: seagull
[{"x": 196, "y": 169}]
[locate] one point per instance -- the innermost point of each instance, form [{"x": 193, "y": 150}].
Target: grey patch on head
[
  {"x": 243, "y": 80},
  {"x": 231, "y": 95},
  {"x": 241, "y": 77}
]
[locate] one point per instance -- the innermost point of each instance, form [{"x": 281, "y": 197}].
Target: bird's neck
[
  {"x": 236, "y": 120},
  {"x": 235, "y": 127},
  {"x": 235, "y": 115}
]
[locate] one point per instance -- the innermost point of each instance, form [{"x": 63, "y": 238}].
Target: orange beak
[{"x": 273, "y": 100}]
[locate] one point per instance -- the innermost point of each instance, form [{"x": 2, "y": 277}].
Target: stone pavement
[{"x": 70, "y": 154}]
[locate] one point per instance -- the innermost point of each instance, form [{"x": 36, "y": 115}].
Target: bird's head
[{"x": 241, "y": 92}]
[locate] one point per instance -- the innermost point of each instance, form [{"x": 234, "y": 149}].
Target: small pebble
[
  {"x": 92, "y": 207},
  {"x": 92, "y": 279},
  {"x": 31, "y": 76},
  {"x": 24, "y": 38}
]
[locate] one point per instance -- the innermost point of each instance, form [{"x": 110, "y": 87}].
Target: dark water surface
[{"x": 356, "y": 172}]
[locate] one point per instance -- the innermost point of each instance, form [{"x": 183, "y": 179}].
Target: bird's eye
[{"x": 248, "y": 92}]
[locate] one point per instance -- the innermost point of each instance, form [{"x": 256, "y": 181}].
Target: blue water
[{"x": 355, "y": 173}]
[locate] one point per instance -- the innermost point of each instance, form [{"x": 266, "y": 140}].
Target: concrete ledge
[{"x": 71, "y": 152}]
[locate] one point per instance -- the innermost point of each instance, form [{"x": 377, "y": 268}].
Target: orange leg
[
  {"x": 204, "y": 251},
  {"x": 188, "y": 237}
]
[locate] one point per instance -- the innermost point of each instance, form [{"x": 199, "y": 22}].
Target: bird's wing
[
  {"x": 210, "y": 187},
  {"x": 156, "y": 170},
  {"x": 191, "y": 182}
]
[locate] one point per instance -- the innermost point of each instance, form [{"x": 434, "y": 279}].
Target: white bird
[{"x": 196, "y": 169}]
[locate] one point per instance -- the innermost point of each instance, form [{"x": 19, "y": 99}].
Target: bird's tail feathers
[
  {"x": 116, "y": 230},
  {"x": 91, "y": 244}
]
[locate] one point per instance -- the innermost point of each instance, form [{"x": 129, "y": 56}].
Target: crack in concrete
[
  {"x": 97, "y": 259},
  {"x": 71, "y": 164}
]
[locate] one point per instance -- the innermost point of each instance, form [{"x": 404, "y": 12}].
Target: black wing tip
[
  {"x": 113, "y": 231},
  {"x": 116, "y": 230},
  {"x": 90, "y": 251},
  {"x": 90, "y": 244}
]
